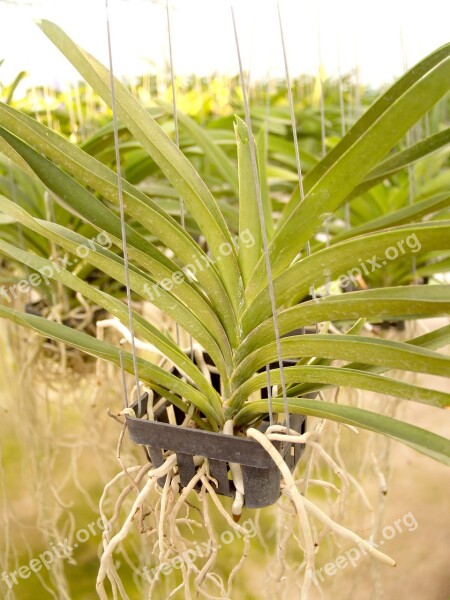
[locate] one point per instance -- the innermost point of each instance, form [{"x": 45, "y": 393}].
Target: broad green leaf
[
  {"x": 165, "y": 153},
  {"x": 408, "y": 214},
  {"x": 334, "y": 178},
  {"x": 142, "y": 327},
  {"x": 385, "y": 353},
  {"x": 103, "y": 219},
  {"x": 318, "y": 376},
  {"x": 212, "y": 150},
  {"x": 91, "y": 172},
  {"x": 396, "y": 163},
  {"x": 400, "y": 160},
  {"x": 347, "y": 258},
  {"x": 385, "y": 303},
  {"x": 419, "y": 439},
  {"x": 249, "y": 221},
  {"x": 111, "y": 264},
  {"x": 432, "y": 341}
]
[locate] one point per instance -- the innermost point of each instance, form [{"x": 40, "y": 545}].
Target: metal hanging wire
[
  {"x": 122, "y": 214},
  {"x": 263, "y": 230},
  {"x": 342, "y": 113},
  {"x": 294, "y": 132},
  {"x": 322, "y": 136},
  {"x": 177, "y": 142},
  {"x": 409, "y": 142},
  {"x": 124, "y": 383}
]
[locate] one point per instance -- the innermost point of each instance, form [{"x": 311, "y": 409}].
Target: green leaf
[
  {"x": 432, "y": 341},
  {"x": 400, "y": 160},
  {"x": 372, "y": 351},
  {"x": 212, "y": 151},
  {"x": 249, "y": 222},
  {"x": 345, "y": 258},
  {"x": 404, "y": 215},
  {"x": 165, "y": 153},
  {"x": 335, "y": 177},
  {"x": 384, "y": 304},
  {"x": 93, "y": 173},
  {"x": 318, "y": 376},
  {"x": 419, "y": 439},
  {"x": 142, "y": 327},
  {"x": 111, "y": 264}
]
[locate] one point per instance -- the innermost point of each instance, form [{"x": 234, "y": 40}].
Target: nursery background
[{"x": 310, "y": 74}]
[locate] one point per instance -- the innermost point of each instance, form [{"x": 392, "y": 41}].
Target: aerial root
[
  {"x": 298, "y": 500},
  {"x": 171, "y": 514},
  {"x": 303, "y": 505},
  {"x": 238, "y": 479},
  {"x": 106, "y": 563}
]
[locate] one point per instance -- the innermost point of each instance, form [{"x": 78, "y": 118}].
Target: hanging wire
[
  {"x": 322, "y": 98},
  {"x": 174, "y": 99},
  {"x": 177, "y": 142},
  {"x": 266, "y": 157},
  {"x": 263, "y": 228},
  {"x": 121, "y": 206},
  {"x": 342, "y": 113},
  {"x": 294, "y": 132},
  {"x": 410, "y": 169},
  {"x": 124, "y": 383},
  {"x": 322, "y": 138}
]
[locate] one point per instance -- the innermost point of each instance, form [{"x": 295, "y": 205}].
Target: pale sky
[{"x": 364, "y": 34}]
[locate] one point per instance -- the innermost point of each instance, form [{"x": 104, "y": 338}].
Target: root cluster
[{"x": 173, "y": 519}]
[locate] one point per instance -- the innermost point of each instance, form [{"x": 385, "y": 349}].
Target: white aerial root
[
  {"x": 338, "y": 471},
  {"x": 287, "y": 529},
  {"x": 352, "y": 479},
  {"x": 303, "y": 505},
  {"x": 114, "y": 323},
  {"x": 176, "y": 539},
  {"x": 320, "y": 483},
  {"x": 238, "y": 479},
  {"x": 106, "y": 562},
  {"x": 346, "y": 533},
  {"x": 198, "y": 581},
  {"x": 309, "y": 438},
  {"x": 297, "y": 498},
  {"x": 201, "y": 471},
  {"x": 236, "y": 527},
  {"x": 162, "y": 514}
]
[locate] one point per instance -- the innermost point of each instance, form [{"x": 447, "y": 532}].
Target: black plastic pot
[{"x": 261, "y": 475}]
